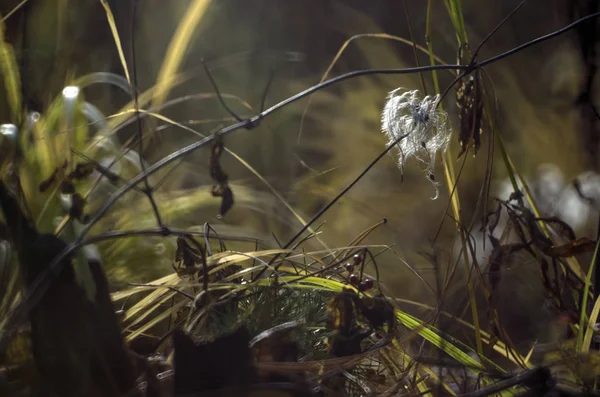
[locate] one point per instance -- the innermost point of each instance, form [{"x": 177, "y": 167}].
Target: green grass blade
[
  {"x": 12, "y": 80},
  {"x": 583, "y": 343}
]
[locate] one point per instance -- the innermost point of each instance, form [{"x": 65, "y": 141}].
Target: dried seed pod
[
  {"x": 77, "y": 208},
  {"x": 221, "y": 188},
  {"x": 469, "y": 99},
  {"x": 82, "y": 171},
  {"x": 365, "y": 285},
  {"x": 368, "y": 283}
]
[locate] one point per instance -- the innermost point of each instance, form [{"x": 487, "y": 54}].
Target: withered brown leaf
[
  {"x": 221, "y": 188},
  {"x": 77, "y": 208},
  {"x": 572, "y": 248},
  {"x": 56, "y": 175}
]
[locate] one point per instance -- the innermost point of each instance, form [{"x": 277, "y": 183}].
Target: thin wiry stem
[
  {"x": 335, "y": 199},
  {"x": 538, "y": 40},
  {"x": 40, "y": 285},
  {"x": 473, "y": 65},
  {"x": 147, "y": 188},
  {"x": 489, "y": 35},
  {"x": 263, "y": 100},
  {"x": 218, "y": 92},
  {"x": 414, "y": 46}
]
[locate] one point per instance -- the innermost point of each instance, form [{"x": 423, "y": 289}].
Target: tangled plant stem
[{"x": 39, "y": 286}]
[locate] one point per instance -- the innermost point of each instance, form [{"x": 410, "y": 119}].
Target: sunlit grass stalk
[
  {"x": 11, "y": 79},
  {"x": 115, "y": 33},
  {"x": 178, "y": 47},
  {"x": 454, "y": 9},
  {"x": 451, "y": 184},
  {"x": 583, "y": 342}
]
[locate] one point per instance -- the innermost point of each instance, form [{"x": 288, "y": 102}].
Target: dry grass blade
[
  {"x": 155, "y": 320},
  {"x": 584, "y": 339},
  {"x": 151, "y": 298},
  {"x": 15, "y": 9},
  {"x": 231, "y": 258},
  {"x": 589, "y": 330},
  {"x": 156, "y": 304},
  {"x": 113, "y": 28},
  {"x": 171, "y": 279}
]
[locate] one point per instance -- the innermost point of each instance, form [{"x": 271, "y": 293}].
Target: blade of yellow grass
[
  {"x": 178, "y": 48},
  {"x": 158, "y": 294},
  {"x": 332, "y": 251},
  {"x": 222, "y": 259},
  {"x": 499, "y": 346},
  {"x": 12, "y": 82},
  {"x": 528, "y": 355},
  {"x": 451, "y": 181},
  {"x": 113, "y": 28},
  {"x": 152, "y": 297},
  {"x": 167, "y": 280},
  {"x": 11, "y": 12},
  {"x": 589, "y": 331},
  {"x": 154, "y": 321},
  {"x": 155, "y": 305},
  {"x": 384, "y": 36},
  {"x": 583, "y": 342},
  {"x": 230, "y": 258},
  {"x": 429, "y": 333}
]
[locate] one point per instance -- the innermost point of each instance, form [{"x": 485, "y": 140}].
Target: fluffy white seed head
[{"x": 426, "y": 128}]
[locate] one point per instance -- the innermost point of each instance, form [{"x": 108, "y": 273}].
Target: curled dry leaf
[{"x": 221, "y": 188}]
